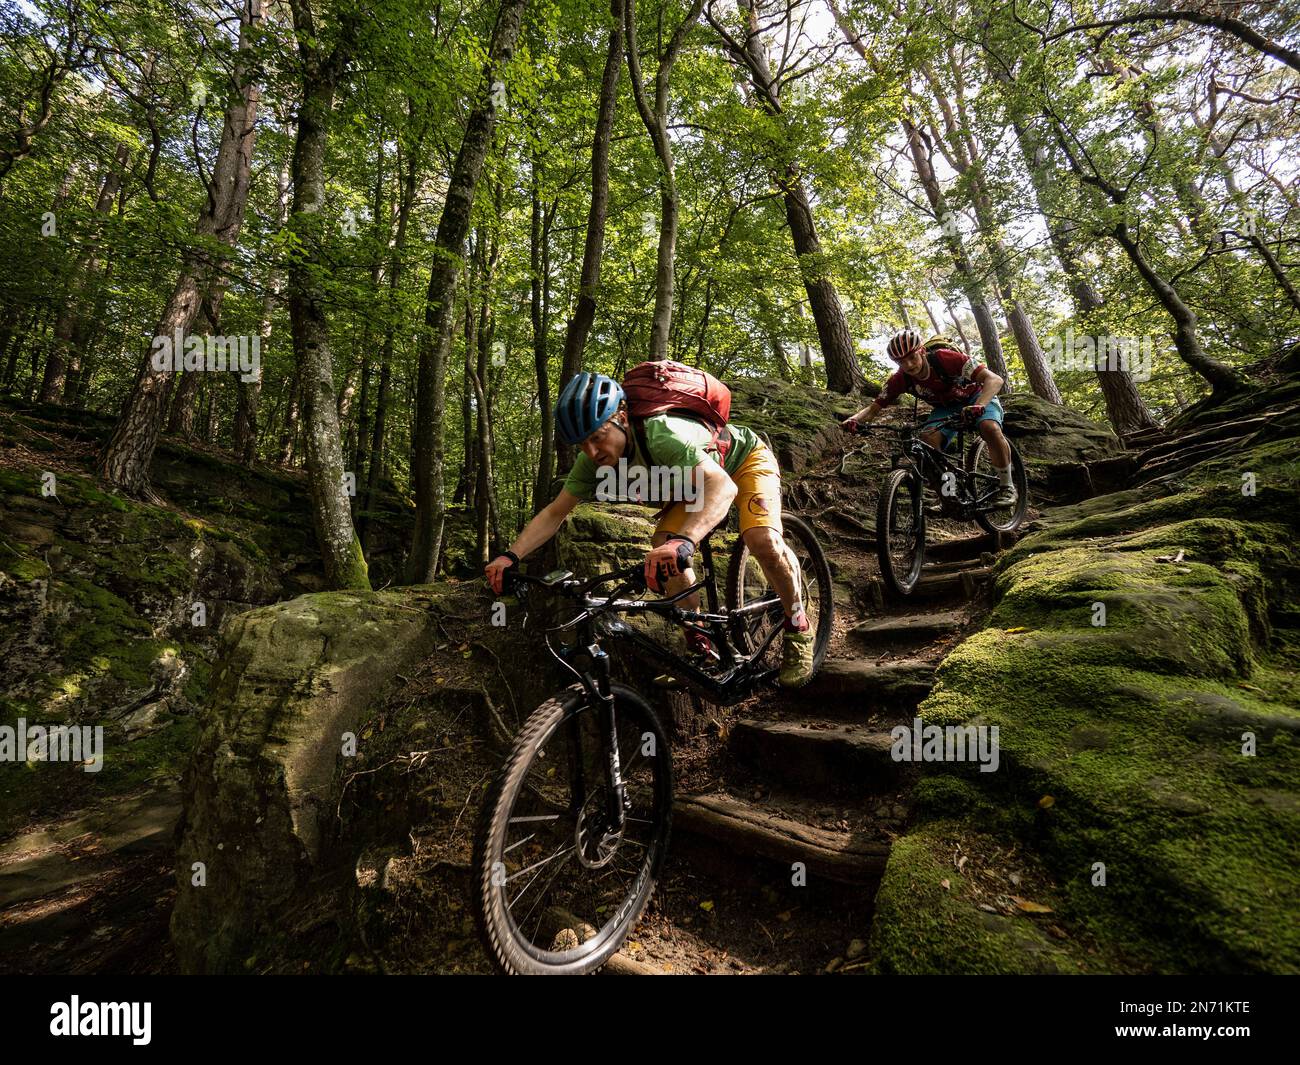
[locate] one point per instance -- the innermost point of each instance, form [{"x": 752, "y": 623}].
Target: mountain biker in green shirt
[{"x": 591, "y": 414}]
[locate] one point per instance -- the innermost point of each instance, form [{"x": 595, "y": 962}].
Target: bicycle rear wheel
[
  {"x": 747, "y": 585},
  {"x": 900, "y": 531},
  {"x": 983, "y": 480},
  {"x": 554, "y": 891}
]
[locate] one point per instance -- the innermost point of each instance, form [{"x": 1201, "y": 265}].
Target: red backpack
[{"x": 669, "y": 387}]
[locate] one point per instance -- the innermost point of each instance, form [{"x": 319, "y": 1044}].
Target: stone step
[
  {"x": 819, "y": 755},
  {"x": 956, "y": 565},
  {"x": 740, "y": 826},
  {"x": 868, "y": 684},
  {"x": 963, "y": 582},
  {"x": 968, "y": 547},
  {"x": 909, "y": 628},
  {"x": 1141, "y": 437}
]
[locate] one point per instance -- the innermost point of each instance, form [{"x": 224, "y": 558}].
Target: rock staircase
[{"x": 811, "y": 783}]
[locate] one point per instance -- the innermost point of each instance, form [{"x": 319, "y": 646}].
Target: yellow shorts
[{"x": 758, "y": 497}]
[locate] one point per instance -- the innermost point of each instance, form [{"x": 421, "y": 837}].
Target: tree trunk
[
  {"x": 970, "y": 285},
  {"x": 655, "y": 118},
  {"x": 396, "y": 265},
  {"x": 965, "y": 157},
  {"x": 439, "y": 314},
  {"x": 125, "y": 461},
  {"x": 345, "y": 564},
  {"x": 73, "y": 324},
  {"x": 1222, "y": 378},
  {"x": 584, "y": 311},
  {"x": 843, "y": 374},
  {"x": 540, "y": 262},
  {"x": 1124, "y": 404}
]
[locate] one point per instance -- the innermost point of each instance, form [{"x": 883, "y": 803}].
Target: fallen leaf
[
  {"x": 1018, "y": 628},
  {"x": 1025, "y": 906},
  {"x": 1046, "y": 802},
  {"x": 945, "y": 884},
  {"x": 961, "y": 862},
  {"x": 707, "y": 906}
]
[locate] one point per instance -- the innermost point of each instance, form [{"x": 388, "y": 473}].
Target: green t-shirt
[{"x": 676, "y": 445}]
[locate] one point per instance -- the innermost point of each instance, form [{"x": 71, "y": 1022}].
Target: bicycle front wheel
[
  {"x": 557, "y": 889},
  {"x": 747, "y": 586},
  {"x": 900, "y": 531}
]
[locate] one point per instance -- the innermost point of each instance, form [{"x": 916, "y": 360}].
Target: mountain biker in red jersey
[{"x": 952, "y": 383}]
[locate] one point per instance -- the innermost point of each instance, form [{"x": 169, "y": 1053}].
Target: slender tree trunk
[
  {"x": 440, "y": 303},
  {"x": 185, "y": 400},
  {"x": 125, "y": 461},
  {"x": 1222, "y": 377},
  {"x": 396, "y": 265},
  {"x": 11, "y": 345},
  {"x": 655, "y": 116},
  {"x": 843, "y": 374},
  {"x": 289, "y": 428},
  {"x": 584, "y": 311},
  {"x": 1124, "y": 404},
  {"x": 970, "y": 284},
  {"x": 540, "y": 260},
  {"x": 965, "y": 157},
  {"x": 71, "y": 327},
  {"x": 345, "y": 564}
]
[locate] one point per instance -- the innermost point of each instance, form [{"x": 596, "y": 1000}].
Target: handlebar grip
[{"x": 510, "y": 582}]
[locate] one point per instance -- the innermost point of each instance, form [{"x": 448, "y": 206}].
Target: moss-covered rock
[
  {"x": 293, "y": 681},
  {"x": 798, "y": 421},
  {"x": 299, "y": 714}
]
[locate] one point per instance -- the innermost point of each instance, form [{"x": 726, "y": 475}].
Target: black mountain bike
[
  {"x": 572, "y": 834},
  {"x": 966, "y": 490}
]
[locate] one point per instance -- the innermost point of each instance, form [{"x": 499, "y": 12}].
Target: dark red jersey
[{"x": 949, "y": 382}]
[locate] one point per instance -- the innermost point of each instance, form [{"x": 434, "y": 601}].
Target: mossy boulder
[
  {"x": 292, "y": 680},
  {"x": 311, "y": 741},
  {"x": 1045, "y": 432},
  {"x": 798, "y": 421}
]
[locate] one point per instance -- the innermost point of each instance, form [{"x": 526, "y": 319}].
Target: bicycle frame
[
  {"x": 926, "y": 458},
  {"x": 739, "y": 677}
]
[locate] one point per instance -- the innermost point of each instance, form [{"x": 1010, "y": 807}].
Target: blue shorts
[{"x": 992, "y": 412}]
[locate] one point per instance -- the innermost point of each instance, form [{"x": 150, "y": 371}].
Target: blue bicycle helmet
[{"x": 586, "y": 403}]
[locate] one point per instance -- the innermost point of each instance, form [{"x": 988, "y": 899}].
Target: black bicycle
[
  {"x": 965, "y": 492},
  {"x": 572, "y": 834}
]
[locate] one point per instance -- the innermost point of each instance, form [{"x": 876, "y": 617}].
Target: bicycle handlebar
[
  {"x": 574, "y": 588},
  {"x": 953, "y": 421}
]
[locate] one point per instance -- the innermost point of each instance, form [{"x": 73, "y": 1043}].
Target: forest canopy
[{"x": 374, "y": 239}]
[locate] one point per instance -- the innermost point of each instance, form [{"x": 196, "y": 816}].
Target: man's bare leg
[{"x": 778, "y": 564}]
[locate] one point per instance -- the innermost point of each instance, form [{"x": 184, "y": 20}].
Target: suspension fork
[{"x": 596, "y": 681}]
